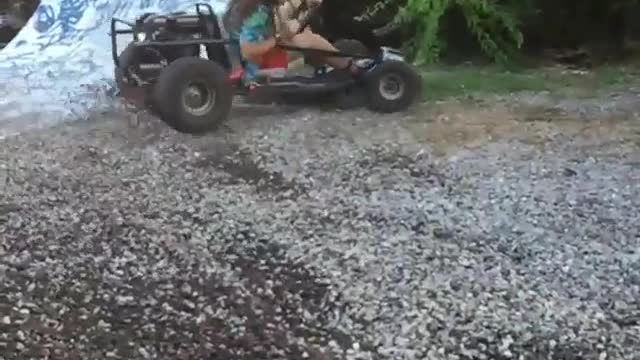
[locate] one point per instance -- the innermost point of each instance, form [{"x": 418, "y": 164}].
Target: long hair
[{"x": 238, "y": 10}]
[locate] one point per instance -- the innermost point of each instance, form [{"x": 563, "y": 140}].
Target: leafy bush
[{"x": 495, "y": 24}]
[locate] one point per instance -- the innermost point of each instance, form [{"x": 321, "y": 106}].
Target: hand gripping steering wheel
[{"x": 306, "y": 20}]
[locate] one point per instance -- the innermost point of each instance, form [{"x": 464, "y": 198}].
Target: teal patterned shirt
[{"x": 257, "y": 27}]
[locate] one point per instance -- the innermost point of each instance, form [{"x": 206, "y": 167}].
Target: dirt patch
[
  {"x": 454, "y": 126},
  {"x": 450, "y": 127}
]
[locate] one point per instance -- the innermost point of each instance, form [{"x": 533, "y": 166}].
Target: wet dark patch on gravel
[
  {"x": 81, "y": 289},
  {"x": 6, "y": 209},
  {"x": 264, "y": 264},
  {"x": 242, "y": 167}
]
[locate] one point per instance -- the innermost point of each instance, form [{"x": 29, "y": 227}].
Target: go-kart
[{"x": 180, "y": 66}]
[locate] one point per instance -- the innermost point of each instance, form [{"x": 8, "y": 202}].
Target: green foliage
[
  {"x": 496, "y": 27},
  {"x": 461, "y": 81},
  {"x": 494, "y": 24},
  {"x": 465, "y": 81}
]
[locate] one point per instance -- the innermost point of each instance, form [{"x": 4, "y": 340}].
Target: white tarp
[{"x": 60, "y": 66}]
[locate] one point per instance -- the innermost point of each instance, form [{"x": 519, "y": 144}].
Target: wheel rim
[
  {"x": 391, "y": 87},
  {"x": 198, "y": 99}
]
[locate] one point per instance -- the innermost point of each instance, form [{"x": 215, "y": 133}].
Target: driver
[{"x": 267, "y": 23}]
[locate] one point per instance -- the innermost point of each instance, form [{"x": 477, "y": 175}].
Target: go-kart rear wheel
[
  {"x": 118, "y": 76},
  {"x": 193, "y": 95},
  {"x": 392, "y": 86},
  {"x": 128, "y": 89},
  {"x": 125, "y": 59},
  {"x": 130, "y": 58}
]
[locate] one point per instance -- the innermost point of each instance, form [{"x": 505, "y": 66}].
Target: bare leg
[{"x": 308, "y": 39}]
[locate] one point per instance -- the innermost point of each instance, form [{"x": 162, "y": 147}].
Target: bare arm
[
  {"x": 293, "y": 14},
  {"x": 288, "y": 24}
]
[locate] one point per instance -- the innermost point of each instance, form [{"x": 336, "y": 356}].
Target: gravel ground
[{"x": 322, "y": 235}]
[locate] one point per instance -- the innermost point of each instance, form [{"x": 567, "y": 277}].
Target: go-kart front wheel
[
  {"x": 392, "y": 86},
  {"x": 193, "y": 95}
]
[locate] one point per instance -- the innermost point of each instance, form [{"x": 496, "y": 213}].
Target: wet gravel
[{"x": 315, "y": 235}]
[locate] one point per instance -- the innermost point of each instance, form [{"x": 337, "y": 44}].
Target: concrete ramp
[{"x": 59, "y": 66}]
